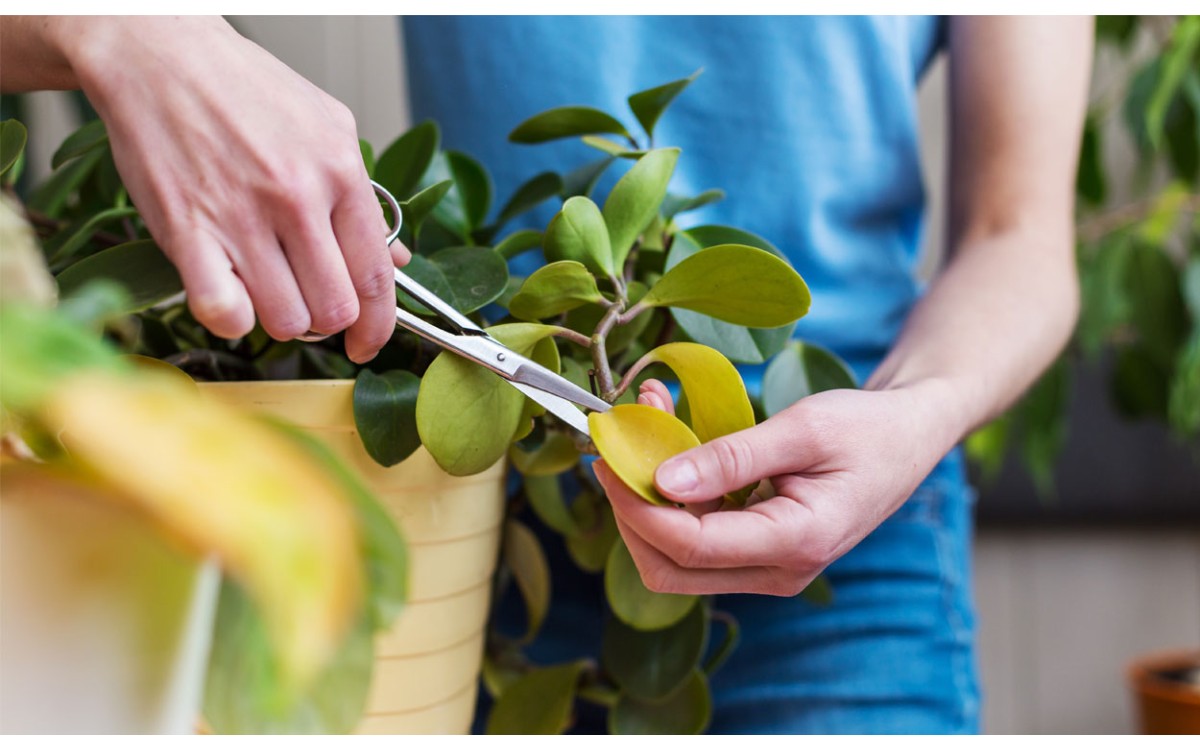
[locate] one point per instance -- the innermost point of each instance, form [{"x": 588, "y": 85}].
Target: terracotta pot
[
  {"x": 1165, "y": 705},
  {"x": 427, "y": 666},
  {"x": 105, "y": 624}
]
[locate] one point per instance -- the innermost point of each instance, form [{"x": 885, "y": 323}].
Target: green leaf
[
  {"x": 1090, "y": 182},
  {"x": 651, "y": 665},
  {"x": 739, "y": 343},
  {"x": 385, "y": 414},
  {"x": 544, "y": 494},
  {"x": 988, "y": 446},
  {"x": 636, "y": 605},
  {"x": 1182, "y": 130},
  {"x": 554, "y": 289},
  {"x": 465, "y": 205},
  {"x": 1177, "y": 60},
  {"x": 687, "y": 711},
  {"x": 819, "y": 592},
  {"x": 66, "y": 243},
  {"x": 610, "y": 147},
  {"x": 523, "y": 556},
  {"x": 417, "y": 208},
  {"x": 1105, "y": 299},
  {"x": 1141, "y": 385},
  {"x": 1116, "y": 29},
  {"x": 466, "y": 414},
  {"x": 634, "y": 200},
  {"x": 1191, "y": 287},
  {"x": 400, "y": 167},
  {"x": 465, "y": 277},
  {"x": 1183, "y": 401},
  {"x": 140, "y": 267},
  {"x": 564, "y": 122},
  {"x": 368, "y": 156},
  {"x": 596, "y": 532},
  {"x": 583, "y": 180},
  {"x": 40, "y": 348},
  {"x": 554, "y": 456},
  {"x": 648, "y": 105},
  {"x": 518, "y": 242},
  {"x": 12, "y": 143},
  {"x": 735, "y": 283},
  {"x": 673, "y": 205},
  {"x": 578, "y": 233},
  {"x": 538, "y": 703},
  {"x": 244, "y": 692},
  {"x": 92, "y": 135},
  {"x": 531, "y": 194},
  {"x": 52, "y": 195},
  {"x": 801, "y": 370},
  {"x": 1157, "y": 308}
]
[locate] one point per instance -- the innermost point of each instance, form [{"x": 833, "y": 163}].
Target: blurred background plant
[{"x": 1138, "y": 237}]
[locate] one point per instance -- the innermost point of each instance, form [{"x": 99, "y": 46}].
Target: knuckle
[
  {"x": 335, "y": 315},
  {"x": 221, "y": 315},
  {"x": 287, "y": 326},
  {"x": 377, "y": 283},
  {"x": 735, "y": 459}
]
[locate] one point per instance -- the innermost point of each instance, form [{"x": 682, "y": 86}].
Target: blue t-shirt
[{"x": 808, "y": 124}]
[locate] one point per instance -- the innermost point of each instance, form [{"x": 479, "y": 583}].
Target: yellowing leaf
[
  {"x": 225, "y": 483},
  {"x": 735, "y": 283},
  {"x": 554, "y": 289},
  {"x": 634, "y": 439},
  {"x": 715, "y": 393}
]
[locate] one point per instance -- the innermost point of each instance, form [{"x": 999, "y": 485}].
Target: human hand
[
  {"x": 248, "y": 176},
  {"x": 839, "y": 463}
]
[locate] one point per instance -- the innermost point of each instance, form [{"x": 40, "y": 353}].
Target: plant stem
[
  {"x": 627, "y": 317},
  {"x": 600, "y": 351},
  {"x": 575, "y": 337}
]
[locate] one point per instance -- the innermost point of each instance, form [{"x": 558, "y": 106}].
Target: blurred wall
[{"x": 1061, "y": 610}]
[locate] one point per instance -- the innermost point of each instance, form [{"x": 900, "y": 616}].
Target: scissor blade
[
  {"x": 530, "y": 373},
  {"x": 436, "y": 304},
  {"x": 561, "y": 408}
]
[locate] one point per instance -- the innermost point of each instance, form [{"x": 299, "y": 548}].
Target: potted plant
[
  {"x": 1139, "y": 265},
  {"x": 625, "y": 291}
]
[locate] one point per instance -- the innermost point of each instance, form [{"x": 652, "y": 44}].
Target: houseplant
[
  {"x": 1138, "y": 234},
  {"x": 624, "y": 288}
]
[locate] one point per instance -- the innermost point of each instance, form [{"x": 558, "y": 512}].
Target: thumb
[{"x": 729, "y": 463}]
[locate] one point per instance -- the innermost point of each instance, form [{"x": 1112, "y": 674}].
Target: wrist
[{"x": 940, "y": 407}]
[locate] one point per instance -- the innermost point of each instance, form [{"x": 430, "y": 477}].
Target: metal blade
[
  {"x": 440, "y": 307},
  {"x": 531, "y": 373},
  {"x": 561, "y": 408}
]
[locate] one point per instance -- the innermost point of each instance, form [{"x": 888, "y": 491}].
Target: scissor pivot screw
[{"x": 500, "y": 357}]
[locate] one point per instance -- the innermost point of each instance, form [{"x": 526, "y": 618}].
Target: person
[{"x": 809, "y": 124}]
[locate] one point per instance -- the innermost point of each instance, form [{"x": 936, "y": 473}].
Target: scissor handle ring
[{"x": 394, "y": 207}]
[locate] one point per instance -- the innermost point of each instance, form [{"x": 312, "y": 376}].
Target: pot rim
[{"x": 1144, "y": 675}]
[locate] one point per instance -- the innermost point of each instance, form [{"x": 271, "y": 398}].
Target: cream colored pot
[{"x": 427, "y": 666}]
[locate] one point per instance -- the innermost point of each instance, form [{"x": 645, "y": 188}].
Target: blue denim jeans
[{"x": 893, "y": 653}]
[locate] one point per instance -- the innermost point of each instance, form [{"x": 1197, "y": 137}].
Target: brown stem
[
  {"x": 1105, "y": 222},
  {"x": 600, "y": 351},
  {"x": 575, "y": 337},
  {"x": 627, "y": 317}
]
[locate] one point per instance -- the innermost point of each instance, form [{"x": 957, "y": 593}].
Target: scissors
[{"x": 555, "y": 393}]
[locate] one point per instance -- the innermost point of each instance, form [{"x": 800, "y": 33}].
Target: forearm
[
  {"x": 990, "y": 323},
  {"x": 31, "y": 56}
]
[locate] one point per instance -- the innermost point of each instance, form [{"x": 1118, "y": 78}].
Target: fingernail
[{"x": 678, "y": 476}]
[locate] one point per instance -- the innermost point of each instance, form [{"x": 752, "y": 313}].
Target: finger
[
  {"x": 264, "y": 269},
  {"x": 734, "y": 461},
  {"x": 361, "y": 232},
  {"x": 314, "y": 256},
  {"x": 656, "y": 395},
  {"x": 215, "y": 294},
  {"x": 660, "y": 573},
  {"x": 775, "y": 532}
]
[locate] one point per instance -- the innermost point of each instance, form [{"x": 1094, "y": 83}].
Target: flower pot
[
  {"x": 1167, "y": 703},
  {"x": 427, "y": 665},
  {"x": 105, "y": 624}
]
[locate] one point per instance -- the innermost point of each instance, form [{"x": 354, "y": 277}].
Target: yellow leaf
[
  {"x": 715, "y": 393},
  {"x": 227, "y": 484},
  {"x": 634, "y": 439}
]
